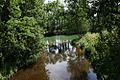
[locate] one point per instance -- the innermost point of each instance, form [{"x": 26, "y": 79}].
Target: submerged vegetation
[{"x": 24, "y": 23}]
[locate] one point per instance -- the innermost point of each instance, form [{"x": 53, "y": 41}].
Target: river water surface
[{"x": 55, "y": 67}]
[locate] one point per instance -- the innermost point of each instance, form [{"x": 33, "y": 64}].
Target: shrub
[
  {"x": 89, "y": 40},
  {"x": 20, "y": 44},
  {"x": 108, "y": 56}
]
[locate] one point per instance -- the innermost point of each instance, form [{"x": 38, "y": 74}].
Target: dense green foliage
[
  {"x": 76, "y": 15},
  {"x": 105, "y": 17},
  {"x": 21, "y": 34},
  {"x": 89, "y": 40},
  {"x": 68, "y": 18},
  {"x": 108, "y": 57},
  {"x": 54, "y": 21},
  {"x": 23, "y": 23}
]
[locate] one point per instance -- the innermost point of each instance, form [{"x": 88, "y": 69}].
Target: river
[{"x": 56, "y": 66}]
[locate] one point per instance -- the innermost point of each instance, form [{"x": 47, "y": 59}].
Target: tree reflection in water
[
  {"x": 76, "y": 68},
  {"x": 35, "y": 72},
  {"x": 58, "y": 67}
]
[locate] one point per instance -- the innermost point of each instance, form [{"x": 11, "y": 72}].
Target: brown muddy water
[{"x": 55, "y": 67}]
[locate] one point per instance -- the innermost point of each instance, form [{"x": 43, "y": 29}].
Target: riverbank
[{"x": 36, "y": 72}]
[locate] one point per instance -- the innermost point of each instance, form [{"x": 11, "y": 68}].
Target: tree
[
  {"x": 77, "y": 16},
  {"x": 67, "y": 21},
  {"x": 106, "y": 22},
  {"x": 21, "y": 34},
  {"x": 54, "y": 12}
]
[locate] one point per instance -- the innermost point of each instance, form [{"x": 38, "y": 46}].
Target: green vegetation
[
  {"x": 23, "y": 24},
  {"x": 21, "y": 35},
  {"x": 104, "y": 18},
  {"x": 105, "y": 21},
  {"x": 72, "y": 20},
  {"x": 62, "y": 37},
  {"x": 89, "y": 40}
]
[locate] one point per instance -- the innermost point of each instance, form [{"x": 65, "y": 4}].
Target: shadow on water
[
  {"x": 55, "y": 66},
  {"x": 36, "y": 72}
]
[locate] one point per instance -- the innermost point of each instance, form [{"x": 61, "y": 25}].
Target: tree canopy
[
  {"x": 24, "y": 23},
  {"x": 21, "y": 34}
]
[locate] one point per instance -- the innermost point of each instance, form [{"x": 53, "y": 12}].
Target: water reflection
[
  {"x": 62, "y": 65},
  {"x": 78, "y": 69},
  {"x": 35, "y": 72},
  {"x": 58, "y": 71},
  {"x": 58, "y": 46},
  {"x": 66, "y": 67}
]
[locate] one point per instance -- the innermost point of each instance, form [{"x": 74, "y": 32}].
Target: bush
[
  {"x": 20, "y": 44},
  {"x": 74, "y": 41},
  {"x": 108, "y": 56},
  {"x": 89, "y": 40}
]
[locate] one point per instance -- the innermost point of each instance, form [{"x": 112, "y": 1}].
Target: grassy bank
[{"x": 62, "y": 37}]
